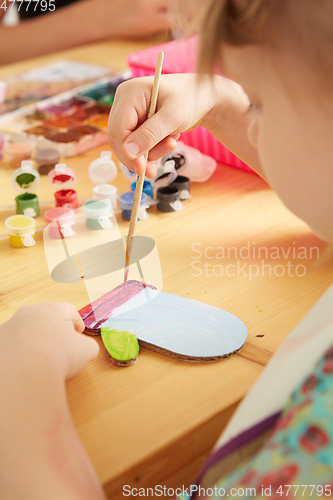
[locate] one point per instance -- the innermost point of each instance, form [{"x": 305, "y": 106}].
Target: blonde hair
[
  {"x": 232, "y": 21},
  {"x": 236, "y": 22},
  {"x": 302, "y": 23}
]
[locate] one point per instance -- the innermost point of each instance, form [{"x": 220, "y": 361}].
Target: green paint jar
[
  {"x": 25, "y": 180},
  {"x": 27, "y": 204},
  {"x": 98, "y": 213}
]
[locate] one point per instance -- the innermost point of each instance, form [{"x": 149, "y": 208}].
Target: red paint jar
[
  {"x": 60, "y": 222},
  {"x": 63, "y": 179},
  {"x": 66, "y": 198}
]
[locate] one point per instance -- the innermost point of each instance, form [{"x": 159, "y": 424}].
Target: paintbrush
[{"x": 141, "y": 177}]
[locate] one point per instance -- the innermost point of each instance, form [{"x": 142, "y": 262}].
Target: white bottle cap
[
  {"x": 165, "y": 175},
  {"x": 26, "y": 166},
  {"x": 25, "y": 183},
  {"x": 106, "y": 154},
  {"x": 62, "y": 177},
  {"x": 103, "y": 170},
  {"x": 60, "y": 168},
  {"x": 102, "y": 191}
]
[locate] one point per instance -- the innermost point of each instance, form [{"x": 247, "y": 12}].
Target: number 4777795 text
[{"x": 44, "y": 5}]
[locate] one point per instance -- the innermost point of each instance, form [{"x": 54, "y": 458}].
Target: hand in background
[
  {"x": 132, "y": 18},
  {"x": 81, "y": 22}
]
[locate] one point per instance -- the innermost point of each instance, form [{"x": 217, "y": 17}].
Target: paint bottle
[
  {"x": 182, "y": 183},
  {"x": 98, "y": 213},
  {"x": 63, "y": 179},
  {"x": 21, "y": 230},
  {"x": 60, "y": 222},
  {"x": 46, "y": 159},
  {"x": 168, "y": 199},
  {"x": 102, "y": 171},
  {"x": 147, "y": 189},
  {"x": 126, "y": 203},
  {"x": 190, "y": 162},
  {"x": 103, "y": 191},
  {"x": 66, "y": 198},
  {"x": 166, "y": 174},
  {"x": 26, "y": 180},
  {"x": 17, "y": 151},
  {"x": 131, "y": 176}
]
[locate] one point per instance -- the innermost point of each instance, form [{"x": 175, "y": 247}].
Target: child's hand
[
  {"x": 50, "y": 330},
  {"x": 183, "y": 103},
  {"x": 40, "y": 347}
]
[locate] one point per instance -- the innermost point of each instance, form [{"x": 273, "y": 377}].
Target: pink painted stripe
[{"x": 101, "y": 309}]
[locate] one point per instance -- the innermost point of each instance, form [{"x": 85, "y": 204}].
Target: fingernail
[{"x": 133, "y": 149}]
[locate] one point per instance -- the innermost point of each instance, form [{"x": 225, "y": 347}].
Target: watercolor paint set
[
  {"x": 73, "y": 122},
  {"x": 45, "y": 81}
]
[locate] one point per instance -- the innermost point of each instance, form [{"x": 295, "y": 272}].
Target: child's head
[{"x": 281, "y": 52}]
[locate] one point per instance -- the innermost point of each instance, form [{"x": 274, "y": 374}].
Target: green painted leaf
[{"x": 121, "y": 345}]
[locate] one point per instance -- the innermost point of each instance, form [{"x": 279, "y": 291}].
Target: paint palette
[
  {"x": 182, "y": 328},
  {"x": 46, "y": 81},
  {"x": 73, "y": 122}
]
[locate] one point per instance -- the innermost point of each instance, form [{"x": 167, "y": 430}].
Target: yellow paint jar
[{"x": 21, "y": 230}]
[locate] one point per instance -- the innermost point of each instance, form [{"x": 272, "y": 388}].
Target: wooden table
[{"x": 155, "y": 422}]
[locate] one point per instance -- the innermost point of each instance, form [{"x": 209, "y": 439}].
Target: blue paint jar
[
  {"x": 147, "y": 188},
  {"x": 126, "y": 203},
  {"x": 98, "y": 213}
]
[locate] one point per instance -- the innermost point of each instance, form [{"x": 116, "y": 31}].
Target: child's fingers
[
  {"x": 83, "y": 350},
  {"x": 131, "y": 135},
  {"x": 78, "y": 323},
  {"x": 54, "y": 329},
  {"x": 130, "y": 108},
  {"x": 148, "y": 135},
  {"x": 139, "y": 165},
  {"x": 78, "y": 349},
  {"x": 151, "y": 170},
  {"x": 70, "y": 313},
  {"x": 162, "y": 148}
]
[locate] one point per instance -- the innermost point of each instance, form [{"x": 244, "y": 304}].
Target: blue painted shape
[{"x": 180, "y": 325}]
